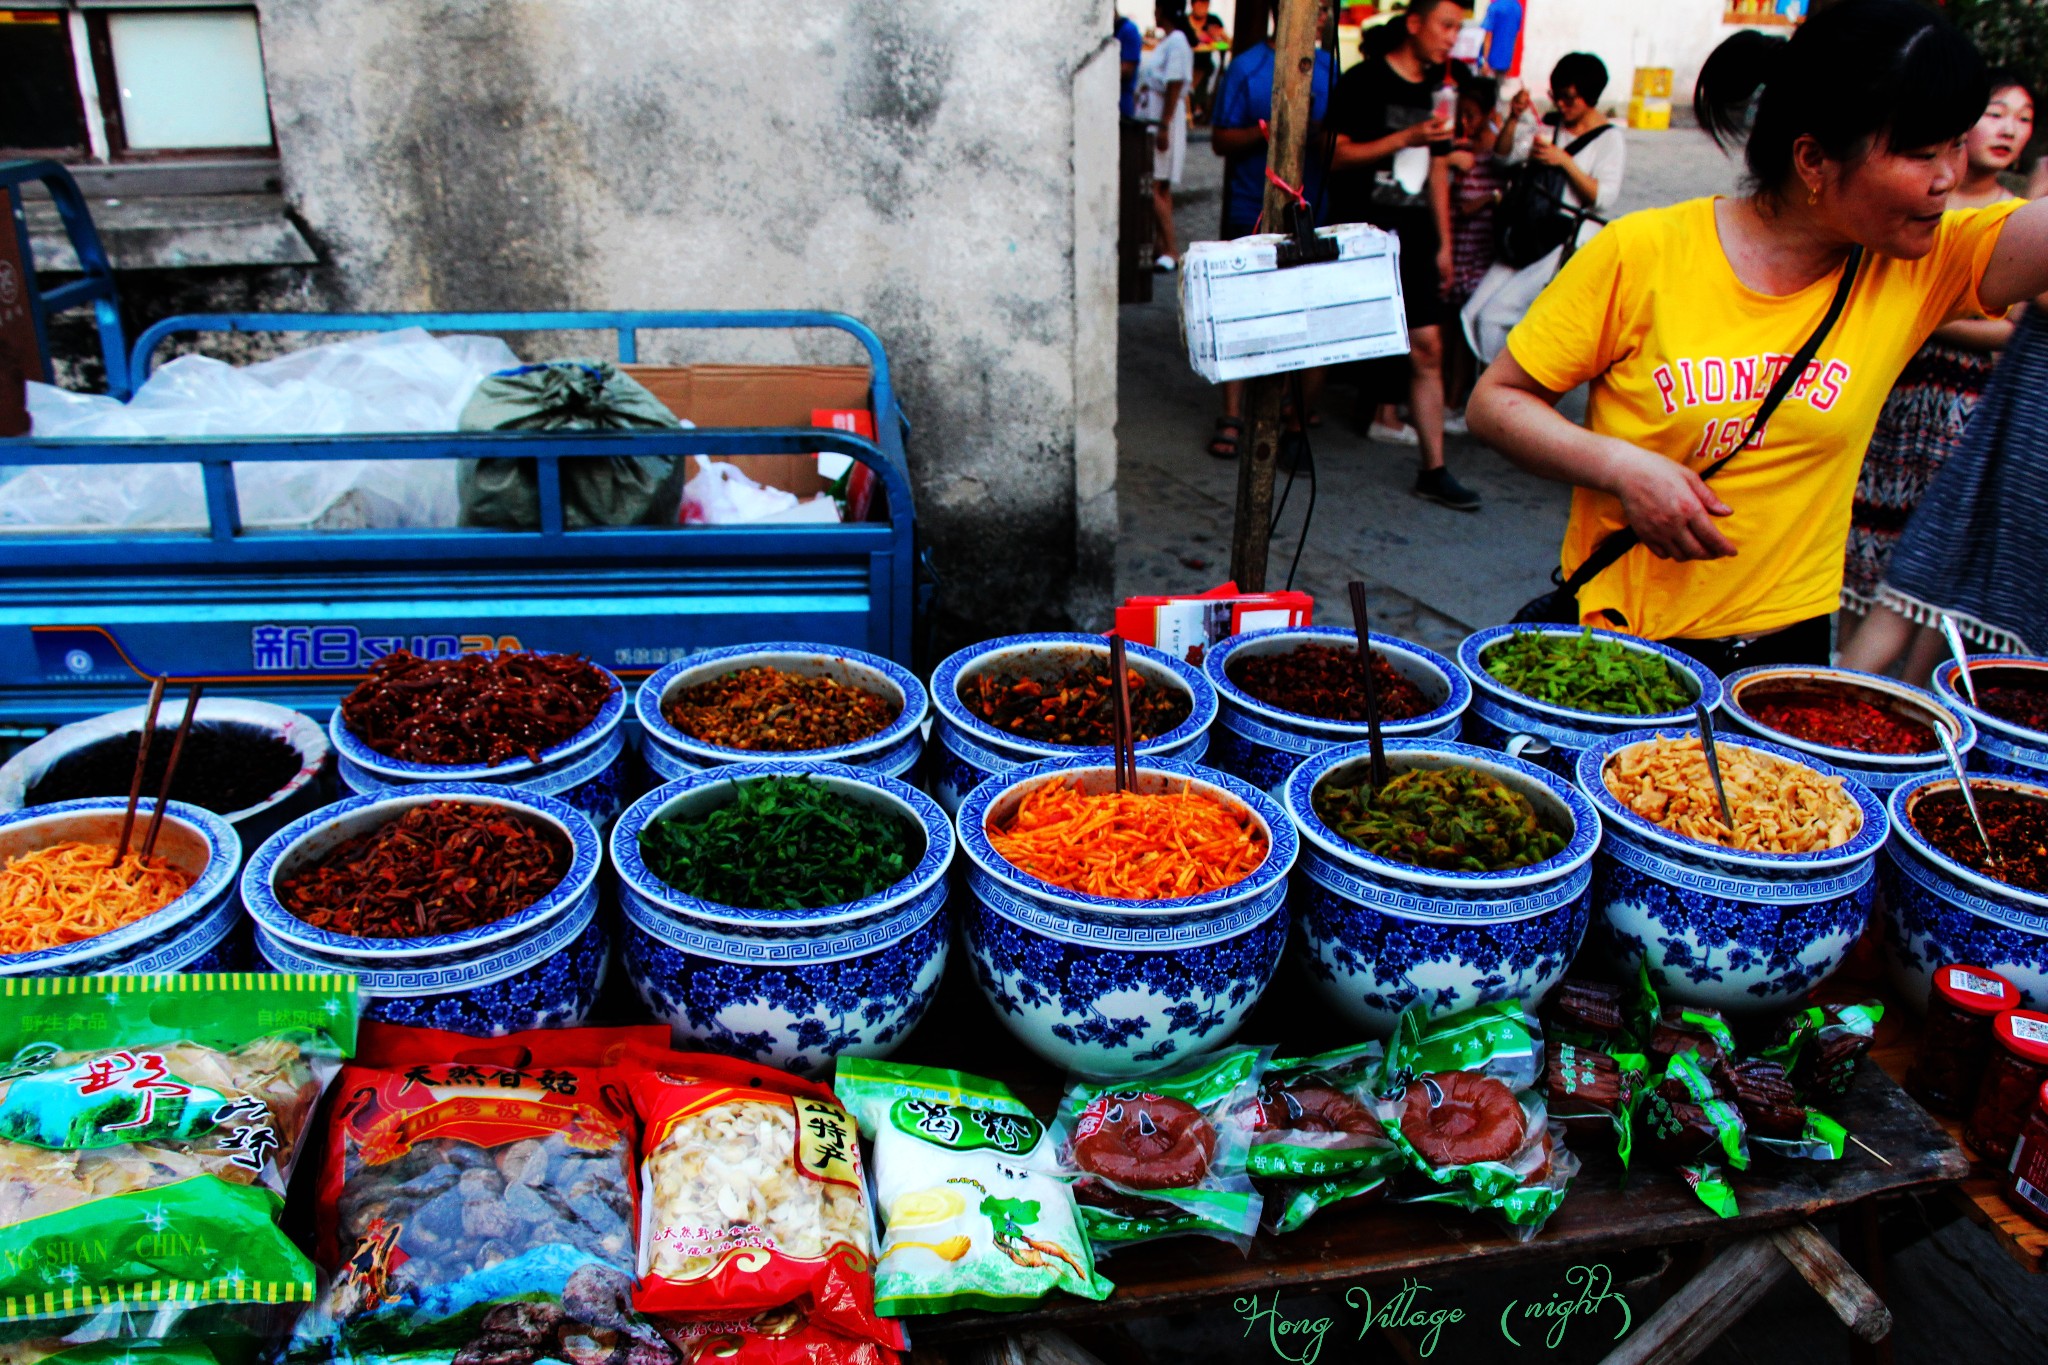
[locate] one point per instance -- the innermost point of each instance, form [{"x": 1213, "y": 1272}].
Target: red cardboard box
[{"x": 1178, "y": 624}]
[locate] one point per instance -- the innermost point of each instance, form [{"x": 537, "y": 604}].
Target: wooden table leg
[{"x": 1863, "y": 1244}]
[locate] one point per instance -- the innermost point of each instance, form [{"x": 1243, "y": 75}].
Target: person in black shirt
[{"x": 1387, "y": 168}]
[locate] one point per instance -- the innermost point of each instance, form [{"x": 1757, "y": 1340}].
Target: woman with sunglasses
[{"x": 1684, "y": 319}]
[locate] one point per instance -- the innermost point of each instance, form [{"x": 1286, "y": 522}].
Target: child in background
[{"x": 1477, "y": 182}]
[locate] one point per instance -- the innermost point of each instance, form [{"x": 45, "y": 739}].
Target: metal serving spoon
[
  {"x": 1955, "y": 764},
  {"x": 1699, "y": 710},
  {"x": 1962, "y": 655}
]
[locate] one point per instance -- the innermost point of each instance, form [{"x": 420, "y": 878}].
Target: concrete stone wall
[{"x": 943, "y": 171}]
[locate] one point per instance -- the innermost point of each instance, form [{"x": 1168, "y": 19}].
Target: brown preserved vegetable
[
  {"x": 2013, "y": 1076},
  {"x": 1961, "y": 1004}
]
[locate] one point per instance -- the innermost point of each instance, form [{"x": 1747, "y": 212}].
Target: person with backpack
[
  {"x": 1738, "y": 350},
  {"x": 1562, "y": 175}
]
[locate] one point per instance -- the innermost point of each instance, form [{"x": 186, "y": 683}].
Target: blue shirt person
[
  {"x": 1503, "y": 30},
  {"x": 1243, "y": 101},
  {"x": 1130, "y": 51}
]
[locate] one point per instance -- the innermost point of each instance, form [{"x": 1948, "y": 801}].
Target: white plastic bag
[
  {"x": 720, "y": 495},
  {"x": 402, "y": 381}
]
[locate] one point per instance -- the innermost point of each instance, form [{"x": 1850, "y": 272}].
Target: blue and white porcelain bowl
[
  {"x": 1379, "y": 935},
  {"x": 1555, "y": 736},
  {"x": 1939, "y": 911},
  {"x": 1879, "y": 772},
  {"x": 2002, "y": 747},
  {"x": 445, "y": 975},
  {"x": 1115, "y": 988},
  {"x": 791, "y": 988},
  {"x": 593, "y": 782},
  {"x": 893, "y": 750},
  {"x": 1262, "y": 743},
  {"x": 194, "y": 840},
  {"x": 1744, "y": 933},
  {"x": 253, "y": 824},
  {"x": 517, "y": 772},
  {"x": 970, "y": 750}
]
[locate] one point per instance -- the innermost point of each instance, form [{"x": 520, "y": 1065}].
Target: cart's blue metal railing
[{"x": 95, "y": 282}]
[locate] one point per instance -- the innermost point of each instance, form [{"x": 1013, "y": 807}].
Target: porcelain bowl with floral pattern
[
  {"x": 253, "y": 824},
  {"x": 794, "y": 989},
  {"x": 1879, "y": 772},
  {"x": 1499, "y": 714},
  {"x": 305, "y": 841},
  {"x": 1744, "y": 933},
  {"x": 593, "y": 782},
  {"x": 1378, "y": 935},
  {"x": 893, "y": 750},
  {"x": 361, "y": 765},
  {"x": 1121, "y": 988},
  {"x": 1263, "y": 743},
  {"x": 970, "y": 750},
  {"x": 192, "y": 933},
  {"x": 2002, "y": 747},
  {"x": 1939, "y": 911}
]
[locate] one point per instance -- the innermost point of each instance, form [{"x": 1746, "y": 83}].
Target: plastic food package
[
  {"x": 973, "y": 1213},
  {"x": 1594, "y": 1092},
  {"x": 1316, "y": 1135},
  {"x": 751, "y": 1196},
  {"x": 399, "y": 381},
  {"x": 779, "y": 1336},
  {"x": 1821, "y": 1045},
  {"x": 1165, "y": 1157},
  {"x": 1458, "y": 1096},
  {"x": 718, "y": 494},
  {"x": 477, "y": 1202},
  {"x": 156, "y": 1120}
]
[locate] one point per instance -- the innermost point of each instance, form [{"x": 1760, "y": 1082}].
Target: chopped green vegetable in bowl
[
  {"x": 1587, "y": 672},
  {"x": 1454, "y": 819},
  {"x": 783, "y": 843}
]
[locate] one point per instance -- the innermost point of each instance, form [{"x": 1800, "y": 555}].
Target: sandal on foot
[{"x": 1224, "y": 442}]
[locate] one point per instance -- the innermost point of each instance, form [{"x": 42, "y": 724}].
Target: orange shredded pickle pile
[
  {"x": 1131, "y": 845},
  {"x": 71, "y": 891}
]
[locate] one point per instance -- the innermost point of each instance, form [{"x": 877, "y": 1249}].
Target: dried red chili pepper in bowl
[
  {"x": 1878, "y": 730},
  {"x": 793, "y": 704},
  {"x": 416, "y": 719}
]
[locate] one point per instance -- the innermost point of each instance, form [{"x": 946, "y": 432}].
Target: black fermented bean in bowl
[{"x": 227, "y": 766}]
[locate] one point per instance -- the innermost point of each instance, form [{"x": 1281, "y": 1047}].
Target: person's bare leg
[
  {"x": 1878, "y": 642},
  {"x": 1162, "y": 209},
  {"x": 1426, "y": 392},
  {"x": 1923, "y": 656},
  {"x": 1312, "y": 385},
  {"x": 1233, "y": 398}
]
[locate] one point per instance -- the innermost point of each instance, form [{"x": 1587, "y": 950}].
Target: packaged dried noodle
[
  {"x": 974, "y": 1213},
  {"x": 148, "y": 1129},
  {"x": 751, "y": 1196},
  {"x": 477, "y": 1202}
]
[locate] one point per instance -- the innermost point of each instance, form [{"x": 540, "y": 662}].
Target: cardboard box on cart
[{"x": 762, "y": 396}]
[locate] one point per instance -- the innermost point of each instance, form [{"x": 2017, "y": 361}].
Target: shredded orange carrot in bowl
[
  {"x": 71, "y": 891},
  {"x": 1131, "y": 845}
]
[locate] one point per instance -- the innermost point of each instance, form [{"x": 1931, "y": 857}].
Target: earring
[{"x": 1813, "y": 196}]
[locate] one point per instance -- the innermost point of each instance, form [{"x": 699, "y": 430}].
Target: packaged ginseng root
[{"x": 476, "y": 1204}]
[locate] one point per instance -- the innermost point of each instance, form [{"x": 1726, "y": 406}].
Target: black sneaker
[{"x": 1437, "y": 485}]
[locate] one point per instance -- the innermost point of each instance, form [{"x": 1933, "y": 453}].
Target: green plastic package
[
  {"x": 1316, "y": 1136},
  {"x": 975, "y": 1214},
  {"x": 1575, "y": 1090},
  {"x": 1685, "y": 1082},
  {"x": 1165, "y": 1156},
  {"x": 148, "y": 1126},
  {"x": 1820, "y": 1046},
  {"x": 1499, "y": 1042}
]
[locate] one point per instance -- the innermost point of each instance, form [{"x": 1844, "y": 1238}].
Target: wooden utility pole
[{"x": 1294, "y": 65}]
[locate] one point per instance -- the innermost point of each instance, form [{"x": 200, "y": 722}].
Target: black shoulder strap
[
  {"x": 1580, "y": 143},
  {"x": 1619, "y": 543}
]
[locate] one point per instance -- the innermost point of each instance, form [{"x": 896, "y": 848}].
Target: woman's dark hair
[
  {"x": 1855, "y": 72},
  {"x": 1483, "y": 91},
  {"x": 1581, "y": 72},
  {"x": 2006, "y": 78}
]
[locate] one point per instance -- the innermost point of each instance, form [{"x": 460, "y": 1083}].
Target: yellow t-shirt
[{"x": 1680, "y": 354}]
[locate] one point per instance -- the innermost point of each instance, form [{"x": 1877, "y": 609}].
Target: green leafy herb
[
  {"x": 1587, "y": 672},
  {"x": 783, "y": 843},
  {"x": 1454, "y": 819}
]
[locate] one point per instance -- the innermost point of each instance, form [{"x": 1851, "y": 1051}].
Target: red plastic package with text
[
  {"x": 779, "y": 1336},
  {"x": 751, "y": 1196}
]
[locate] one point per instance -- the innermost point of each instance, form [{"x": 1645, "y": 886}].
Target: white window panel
[{"x": 190, "y": 80}]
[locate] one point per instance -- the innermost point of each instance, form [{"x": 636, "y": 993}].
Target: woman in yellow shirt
[{"x": 1680, "y": 319}]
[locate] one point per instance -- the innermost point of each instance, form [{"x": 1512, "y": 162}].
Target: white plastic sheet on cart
[{"x": 403, "y": 381}]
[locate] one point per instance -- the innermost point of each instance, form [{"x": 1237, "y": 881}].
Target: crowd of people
[{"x": 1727, "y": 500}]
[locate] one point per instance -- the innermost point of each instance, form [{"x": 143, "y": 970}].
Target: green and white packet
[
  {"x": 1500, "y": 1041},
  {"x": 974, "y": 1212},
  {"x": 1730, "y": 1131},
  {"x": 1704, "y": 1179},
  {"x": 1822, "y": 1140},
  {"x": 1311, "y": 1170},
  {"x": 1222, "y": 1204},
  {"x": 148, "y": 1127}
]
